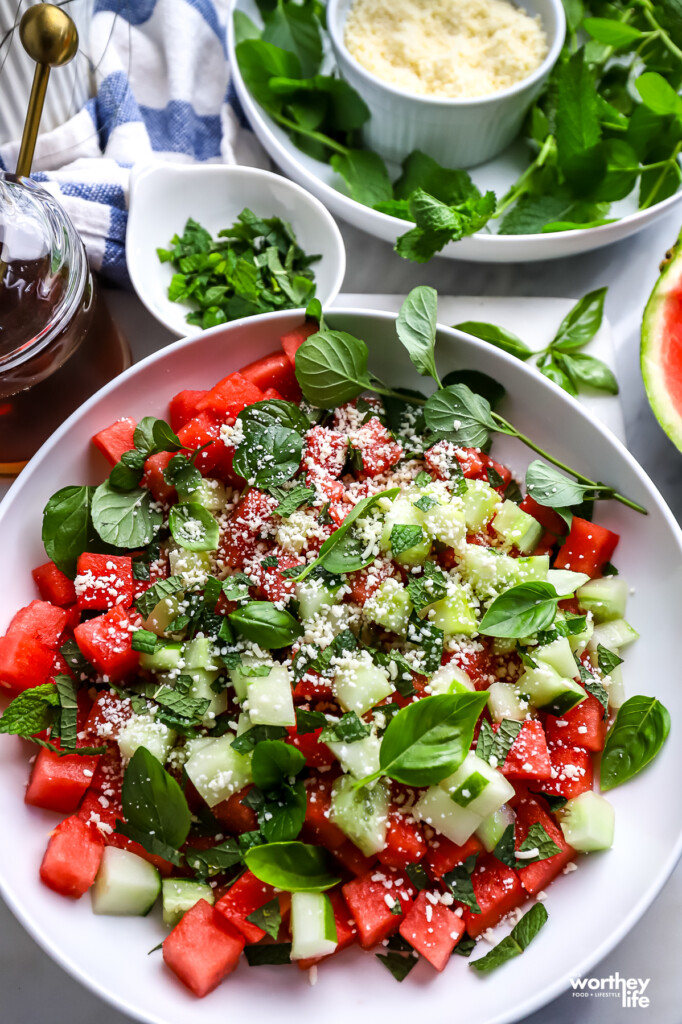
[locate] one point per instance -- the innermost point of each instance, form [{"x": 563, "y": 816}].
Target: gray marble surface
[{"x": 36, "y": 991}]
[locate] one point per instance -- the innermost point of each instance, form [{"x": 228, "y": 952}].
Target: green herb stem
[
  {"x": 523, "y": 184},
  {"x": 506, "y": 427},
  {"x": 660, "y": 31},
  {"x": 310, "y": 133}
]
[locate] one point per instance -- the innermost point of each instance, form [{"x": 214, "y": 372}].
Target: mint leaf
[
  {"x": 31, "y": 711},
  {"x": 513, "y": 945}
]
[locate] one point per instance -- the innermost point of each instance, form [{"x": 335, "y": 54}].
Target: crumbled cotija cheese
[{"x": 446, "y": 48}]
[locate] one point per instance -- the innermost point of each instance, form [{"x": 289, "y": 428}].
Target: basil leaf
[
  {"x": 290, "y": 501},
  {"x": 283, "y": 812},
  {"x": 331, "y": 368},
  {"x": 497, "y": 336},
  {"x": 236, "y": 587},
  {"x": 459, "y": 882},
  {"x": 214, "y": 860},
  {"x": 348, "y": 729},
  {"x": 592, "y": 372},
  {"x": 537, "y": 839},
  {"x": 182, "y": 474},
  {"x": 638, "y": 733},
  {"x": 268, "y": 455},
  {"x": 31, "y": 711},
  {"x": 248, "y": 740},
  {"x": 522, "y": 934},
  {"x": 365, "y": 174},
  {"x": 398, "y": 964},
  {"x": 155, "y": 808},
  {"x": 607, "y": 660},
  {"x": 309, "y": 721},
  {"x": 193, "y": 527},
  {"x": 263, "y": 624},
  {"x": 294, "y": 867},
  {"x": 334, "y": 556},
  {"x": 416, "y": 328},
  {"x": 274, "y": 763},
  {"x": 480, "y": 383},
  {"x": 581, "y": 324},
  {"x": 429, "y": 587},
  {"x": 267, "y": 917},
  {"x": 521, "y": 611},
  {"x": 68, "y": 711},
  {"x": 419, "y": 877},
  {"x": 66, "y": 526},
  {"x": 274, "y": 953},
  {"x": 153, "y": 435},
  {"x": 405, "y": 537},
  {"x": 546, "y": 485},
  {"x": 428, "y": 740},
  {"x": 505, "y": 849},
  {"x": 147, "y": 602},
  {"x": 496, "y": 745},
  {"x": 294, "y": 27},
  {"x": 275, "y": 412},
  {"x": 456, "y": 414},
  {"x": 126, "y": 521},
  {"x": 611, "y": 32}
]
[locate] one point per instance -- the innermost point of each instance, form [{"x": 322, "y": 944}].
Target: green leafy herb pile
[
  {"x": 607, "y": 124},
  {"x": 254, "y": 266}
]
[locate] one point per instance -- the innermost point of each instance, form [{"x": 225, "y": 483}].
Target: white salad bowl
[
  {"x": 590, "y": 910},
  {"x": 163, "y": 196},
  {"x": 456, "y": 132}
]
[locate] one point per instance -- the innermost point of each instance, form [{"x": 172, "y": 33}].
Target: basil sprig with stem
[
  {"x": 561, "y": 361},
  {"x": 332, "y": 368}
]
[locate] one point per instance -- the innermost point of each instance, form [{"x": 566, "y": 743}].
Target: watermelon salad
[{"x": 309, "y": 671}]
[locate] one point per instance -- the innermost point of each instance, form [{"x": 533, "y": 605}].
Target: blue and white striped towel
[{"x": 163, "y": 92}]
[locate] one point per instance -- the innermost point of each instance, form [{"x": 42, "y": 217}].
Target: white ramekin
[{"x": 456, "y": 132}]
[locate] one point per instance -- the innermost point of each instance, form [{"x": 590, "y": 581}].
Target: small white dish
[
  {"x": 456, "y": 132},
  {"x": 164, "y": 195},
  {"x": 498, "y": 174},
  {"x": 590, "y": 910}
]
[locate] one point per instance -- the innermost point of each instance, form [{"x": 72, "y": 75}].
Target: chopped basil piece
[
  {"x": 268, "y": 954},
  {"x": 348, "y": 729},
  {"x": 460, "y": 885}
]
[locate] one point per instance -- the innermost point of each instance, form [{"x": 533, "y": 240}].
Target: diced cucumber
[
  {"x": 477, "y": 786},
  {"x": 587, "y": 822},
  {"x": 199, "y": 653},
  {"x": 403, "y": 513},
  {"x": 565, "y": 581},
  {"x": 313, "y": 928},
  {"x": 436, "y": 809},
  {"x": 504, "y": 701},
  {"x": 390, "y": 606},
  {"x": 270, "y": 698},
  {"x": 480, "y": 501},
  {"x": 503, "y": 645},
  {"x": 450, "y": 679},
  {"x": 491, "y": 829},
  {"x": 615, "y": 688},
  {"x": 606, "y": 598},
  {"x": 360, "y": 758},
  {"x": 218, "y": 771},
  {"x": 144, "y": 731},
  {"x": 313, "y": 596},
  {"x": 161, "y": 616},
  {"x": 192, "y": 566},
  {"x": 446, "y": 523},
  {"x": 179, "y": 895},
  {"x": 202, "y": 689},
  {"x": 125, "y": 884},
  {"x": 490, "y": 571},
  {"x": 210, "y": 493},
  {"x": 239, "y": 677},
  {"x": 359, "y": 684},
  {"x": 453, "y": 613},
  {"x": 164, "y": 659},
  {"x": 361, "y": 814},
  {"x": 558, "y": 655},
  {"x": 516, "y": 527},
  {"x": 612, "y": 635},
  {"x": 548, "y": 691}
]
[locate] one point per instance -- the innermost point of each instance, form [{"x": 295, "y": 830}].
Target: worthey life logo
[{"x": 630, "y": 991}]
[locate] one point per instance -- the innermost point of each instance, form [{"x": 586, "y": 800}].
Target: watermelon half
[{"x": 661, "y": 348}]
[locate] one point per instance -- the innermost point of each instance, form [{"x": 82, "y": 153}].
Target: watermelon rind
[{"x": 653, "y": 332}]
